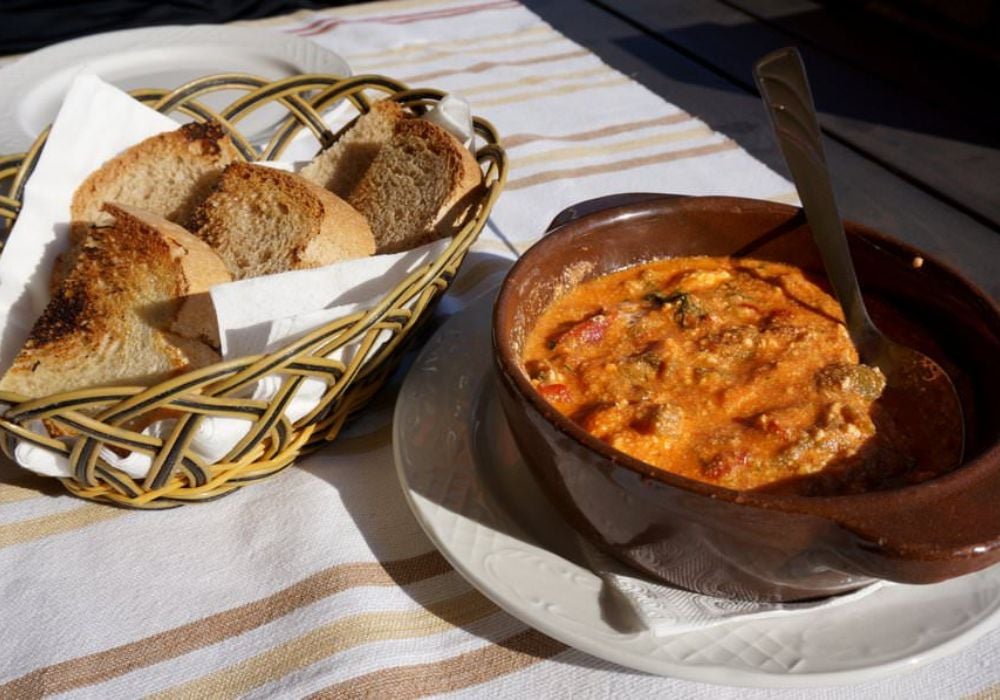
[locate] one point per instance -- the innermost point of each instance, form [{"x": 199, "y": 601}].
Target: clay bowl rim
[{"x": 508, "y": 364}]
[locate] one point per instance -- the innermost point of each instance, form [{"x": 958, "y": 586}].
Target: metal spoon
[{"x": 918, "y": 392}]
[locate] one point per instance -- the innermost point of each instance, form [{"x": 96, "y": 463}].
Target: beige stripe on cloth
[
  {"x": 515, "y": 140},
  {"x": 24, "y": 531},
  {"x": 105, "y": 665},
  {"x": 550, "y": 92},
  {"x": 334, "y": 638},
  {"x": 488, "y": 663},
  {"x": 487, "y": 65},
  {"x": 432, "y": 52},
  {"x": 647, "y": 142},
  {"x": 990, "y": 693},
  {"x": 568, "y": 173},
  {"x": 455, "y": 46},
  {"x": 537, "y": 94},
  {"x": 26, "y": 486},
  {"x": 537, "y": 80},
  {"x": 394, "y": 64}
]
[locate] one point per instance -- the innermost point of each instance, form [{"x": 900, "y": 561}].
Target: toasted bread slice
[
  {"x": 261, "y": 221},
  {"x": 419, "y": 188},
  {"x": 109, "y": 322},
  {"x": 168, "y": 174},
  {"x": 341, "y": 166}
]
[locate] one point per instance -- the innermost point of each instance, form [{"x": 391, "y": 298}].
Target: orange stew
[{"x": 736, "y": 372}]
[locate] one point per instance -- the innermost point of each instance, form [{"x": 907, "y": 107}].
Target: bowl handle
[
  {"x": 592, "y": 206},
  {"x": 930, "y": 532}
]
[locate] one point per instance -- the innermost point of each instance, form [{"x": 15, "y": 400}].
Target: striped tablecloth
[{"x": 320, "y": 581}]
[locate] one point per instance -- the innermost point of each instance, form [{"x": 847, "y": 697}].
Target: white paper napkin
[
  {"x": 454, "y": 114},
  {"x": 665, "y": 610},
  {"x": 96, "y": 122}
]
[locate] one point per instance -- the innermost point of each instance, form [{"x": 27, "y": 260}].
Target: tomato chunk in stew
[{"x": 736, "y": 372}]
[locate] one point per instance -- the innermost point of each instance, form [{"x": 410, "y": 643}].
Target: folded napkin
[
  {"x": 96, "y": 122},
  {"x": 665, "y": 610}
]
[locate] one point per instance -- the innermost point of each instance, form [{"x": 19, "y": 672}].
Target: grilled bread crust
[{"x": 111, "y": 320}]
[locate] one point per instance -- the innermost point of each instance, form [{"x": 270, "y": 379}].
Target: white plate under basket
[{"x": 32, "y": 88}]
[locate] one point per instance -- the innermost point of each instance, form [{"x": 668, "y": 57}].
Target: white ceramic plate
[
  {"x": 473, "y": 495},
  {"x": 32, "y": 88}
]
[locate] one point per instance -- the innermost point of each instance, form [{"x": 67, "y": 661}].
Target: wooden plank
[
  {"x": 949, "y": 153},
  {"x": 866, "y": 191},
  {"x": 947, "y": 72}
]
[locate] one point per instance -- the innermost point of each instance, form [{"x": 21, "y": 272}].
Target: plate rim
[
  {"x": 712, "y": 674},
  {"x": 307, "y": 55}
]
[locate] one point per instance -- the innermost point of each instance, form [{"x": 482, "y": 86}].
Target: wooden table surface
[{"x": 910, "y": 128}]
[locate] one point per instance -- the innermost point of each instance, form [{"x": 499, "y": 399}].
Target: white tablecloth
[{"x": 320, "y": 581}]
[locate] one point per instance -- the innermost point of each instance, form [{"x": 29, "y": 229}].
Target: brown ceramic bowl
[{"x": 749, "y": 544}]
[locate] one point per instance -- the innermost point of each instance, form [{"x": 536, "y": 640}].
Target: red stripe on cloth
[
  {"x": 319, "y": 27},
  {"x": 456, "y": 11},
  {"x": 322, "y": 26},
  {"x": 312, "y": 24}
]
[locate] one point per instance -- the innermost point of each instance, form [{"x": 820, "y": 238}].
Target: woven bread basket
[{"x": 101, "y": 416}]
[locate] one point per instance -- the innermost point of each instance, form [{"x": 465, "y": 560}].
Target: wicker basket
[{"x": 102, "y": 415}]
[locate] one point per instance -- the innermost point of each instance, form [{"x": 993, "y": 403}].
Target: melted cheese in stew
[{"x": 736, "y": 372}]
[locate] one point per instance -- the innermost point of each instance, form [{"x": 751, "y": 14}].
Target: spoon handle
[{"x": 781, "y": 79}]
